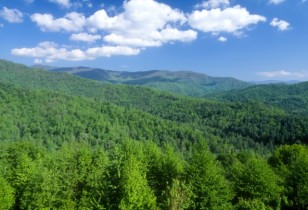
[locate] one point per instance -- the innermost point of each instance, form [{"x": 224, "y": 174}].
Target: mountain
[
  {"x": 241, "y": 124},
  {"x": 180, "y": 82},
  {"x": 293, "y": 98}
]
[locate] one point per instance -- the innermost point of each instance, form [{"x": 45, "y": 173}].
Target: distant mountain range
[
  {"x": 180, "y": 82},
  {"x": 292, "y": 98}
]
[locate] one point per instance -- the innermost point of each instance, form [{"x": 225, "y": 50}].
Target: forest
[{"x": 73, "y": 143}]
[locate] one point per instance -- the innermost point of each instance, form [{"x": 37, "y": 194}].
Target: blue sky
[{"x": 245, "y": 39}]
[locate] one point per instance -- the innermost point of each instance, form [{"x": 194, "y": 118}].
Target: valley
[{"x": 73, "y": 142}]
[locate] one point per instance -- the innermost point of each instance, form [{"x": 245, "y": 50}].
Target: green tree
[
  {"x": 255, "y": 183},
  {"x": 136, "y": 194},
  {"x": 291, "y": 163},
  {"x": 210, "y": 189},
  {"x": 7, "y": 198},
  {"x": 165, "y": 174}
]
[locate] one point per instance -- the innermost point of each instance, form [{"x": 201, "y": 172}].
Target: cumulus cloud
[
  {"x": 231, "y": 19},
  {"x": 212, "y": 4},
  {"x": 101, "y": 21},
  {"x": 50, "y": 51},
  {"x": 143, "y": 23},
  {"x": 139, "y": 24},
  {"x": 280, "y": 24},
  {"x": 222, "y": 39},
  {"x": 108, "y": 51},
  {"x": 121, "y": 40},
  {"x": 71, "y": 22},
  {"x": 62, "y": 3},
  {"x": 276, "y": 1},
  {"x": 11, "y": 15},
  {"x": 284, "y": 74},
  {"x": 38, "y": 61},
  {"x": 85, "y": 37}
]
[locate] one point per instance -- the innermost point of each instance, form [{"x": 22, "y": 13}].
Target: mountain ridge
[{"x": 182, "y": 82}]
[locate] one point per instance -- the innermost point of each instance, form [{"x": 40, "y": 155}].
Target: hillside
[
  {"x": 51, "y": 119},
  {"x": 293, "y": 98},
  {"x": 239, "y": 124},
  {"x": 60, "y": 151},
  {"x": 181, "y": 82}
]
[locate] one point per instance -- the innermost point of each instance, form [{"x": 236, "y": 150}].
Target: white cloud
[
  {"x": 50, "y": 52},
  {"x": 11, "y": 15},
  {"x": 173, "y": 34},
  {"x": 121, "y": 40},
  {"x": 108, "y": 51},
  {"x": 276, "y": 1},
  {"x": 231, "y": 19},
  {"x": 222, "y": 39},
  {"x": 140, "y": 24},
  {"x": 38, "y": 61},
  {"x": 155, "y": 39},
  {"x": 62, "y": 3},
  {"x": 101, "y": 21},
  {"x": 281, "y": 73},
  {"x": 280, "y": 24},
  {"x": 71, "y": 22},
  {"x": 212, "y": 4},
  {"x": 85, "y": 37},
  {"x": 284, "y": 74},
  {"x": 143, "y": 23}
]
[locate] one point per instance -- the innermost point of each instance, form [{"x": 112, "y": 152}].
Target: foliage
[
  {"x": 256, "y": 184},
  {"x": 210, "y": 189},
  {"x": 291, "y": 163},
  {"x": 291, "y": 98},
  {"x": 6, "y": 194},
  {"x": 72, "y": 143}
]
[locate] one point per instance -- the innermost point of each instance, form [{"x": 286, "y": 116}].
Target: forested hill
[
  {"x": 181, "y": 82},
  {"x": 239, "y": 124},
  {"x": 292, "y": 98},
  {"x": 50, "y": 119}
]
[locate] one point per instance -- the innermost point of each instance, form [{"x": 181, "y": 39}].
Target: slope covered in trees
[
  {"x": 292, "y": 98},
  {"x": 242, "y": 123}
]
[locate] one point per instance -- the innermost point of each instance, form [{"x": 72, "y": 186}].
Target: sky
[{"x": 251, "y": 40}]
